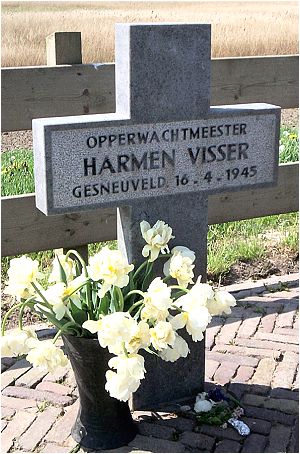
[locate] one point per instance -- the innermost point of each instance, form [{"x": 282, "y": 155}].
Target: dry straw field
[{"x": 238, "y": 28}]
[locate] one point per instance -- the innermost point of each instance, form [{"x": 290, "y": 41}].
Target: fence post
[{"x": 64, "y": 48}]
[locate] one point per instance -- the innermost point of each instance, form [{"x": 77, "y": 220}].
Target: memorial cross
[{"x": 157, "y": 158}]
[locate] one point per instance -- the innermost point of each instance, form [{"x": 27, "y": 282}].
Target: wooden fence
[{"x": 77, "y": 89}]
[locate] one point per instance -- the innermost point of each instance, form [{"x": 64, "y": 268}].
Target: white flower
[
  {"x": 68, "y": 266},
  {"x": 60, "y": 294},
  {"x": 195, "y": 321},
  {"x": 116, "y": 330},
  {"x": 157, "y": 301},
  {"x": 22, "y": 272},
  {"x": 131, "y": 365},
  {"x": 281, "y": 148},
  {"x": 15, "y": 342},
  {"x": 140, "y": 338},
  {"x": 180, "y": 265},
  {"x": 92, "y": 325},
  {"x": 162, "y": 335},
  {"x": 180, "y": 349},
  {"x": 127, "y": 379},
  {"x": 222, "y": 303},
  {"x": 157, "y": 238},
  {"x": 203, "y": 406},
  {"x": 120, "y": 386},
  {"x": 111, "y": 267},
  {"x": 46, "y": 355},
  {"x": 202, "y": 292}
]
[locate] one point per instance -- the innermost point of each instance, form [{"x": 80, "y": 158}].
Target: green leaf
[
  {"x": 104, "y": 305},
  {"x": 62, "y": 273}
]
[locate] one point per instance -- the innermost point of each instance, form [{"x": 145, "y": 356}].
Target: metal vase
[{"x": 102, "y": 421}]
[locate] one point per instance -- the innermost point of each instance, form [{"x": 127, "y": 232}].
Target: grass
[
  {"x": 238, "y": 28},
  {"x": 227, "y": 243}
]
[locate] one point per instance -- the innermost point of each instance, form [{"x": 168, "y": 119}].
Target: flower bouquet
[{"x": 123, "y": 309}]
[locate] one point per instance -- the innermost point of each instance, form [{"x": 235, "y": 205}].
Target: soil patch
[{"x": 276, "y": 262}]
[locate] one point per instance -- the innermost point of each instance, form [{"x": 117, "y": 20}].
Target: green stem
[
  {"x": 138, "y": 292},
  {"x": 183, "y": 289},
  {"x": 7, "y": 315},
  {"x": 121, "y": 299},
  {"x": 138, "y": 303},
  {"x": 78, "y": 256},
  {"x": 177, "y": 308},
  {"x": 140, "y": 268},
  {"x": 57, "y": 335},
  {"x": 41, "y": 295},
  {"x": 29, "y": 300},
  {"x": 167, "y": 278},
  {"x": 139, "y": 311},
  {"x": 124, "y": 349}
]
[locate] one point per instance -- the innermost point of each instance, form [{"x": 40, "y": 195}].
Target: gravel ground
[{"x": 23, "y": 139}]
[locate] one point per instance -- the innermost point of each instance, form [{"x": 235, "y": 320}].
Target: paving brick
[
  {"x": 62, "y": 427},
  {"x": 266, "y": 344},
  {"x": 179, "y": 423},
  {"x": 237, "y": 359},
  {"x": 255, "y": 443},
  {"x": 286, "y": 318},
  {"x": 269, "y": 415},
  {"x": 285, "y": 371},
  {"x": 258, "y": 425},
  {"x": 225, "y": 372},
  {"x": 156, "y": 445},
  {"x": 210, "y": 367},
  {"x": 17, "y": 404},
  {"x": 282, "y": 393},
  {"x": 25, "y": 393},
  {"x": 156, "y": 430},
  {"x": 54, "y": 388},
  {"x": 228, "y": 446},
  {"x": 277, "y": 337},
  {"x": 267, "y": 323},
  {"x": 54, "y": 448},
  {"x": 219, "y": 433},
  {"x": 264, "y": 372},
  {"x": 294, "y": 441},
  {"x": 197, "y": 440},
  {"x": 287, "y": 331},
  {"x": 3, "y": 424},
  {"x": 237, "y": 390},
  {"x": 15, "y": 428},
  {"x": 284, "y": 405},
  {"x": 248, "y": 327},
  {"x": 59, "y": 374},
  {"x": 7, "y": 413},
  {"x": 279, "y": 438},
  {"x": 244, "y": 373},
  {"x": 228, "y": 331},
  {"x": 31, "y": 378},
  {"x": 32, "y": 437},
  {"x": 254, "y": 352},
  {"x": 14, "y": 372},
  {"x": 210, "y": 335}
]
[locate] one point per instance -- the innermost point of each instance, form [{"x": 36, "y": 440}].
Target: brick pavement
[{"x": 251, "y": 353}]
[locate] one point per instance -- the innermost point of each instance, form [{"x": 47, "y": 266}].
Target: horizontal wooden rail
[
  {"x": 26, "y": 229},
  {"x": 36, "y": 92}
]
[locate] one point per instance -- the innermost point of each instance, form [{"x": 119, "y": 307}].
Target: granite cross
[{"x": 157, "y": 158}]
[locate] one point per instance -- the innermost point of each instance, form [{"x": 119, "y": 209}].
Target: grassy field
[
  {"x": 238, "y": 28},
  {"x": 252, "y": 238}
]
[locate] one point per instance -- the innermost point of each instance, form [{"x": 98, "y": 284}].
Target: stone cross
[{"x": 157, "y": 158}]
